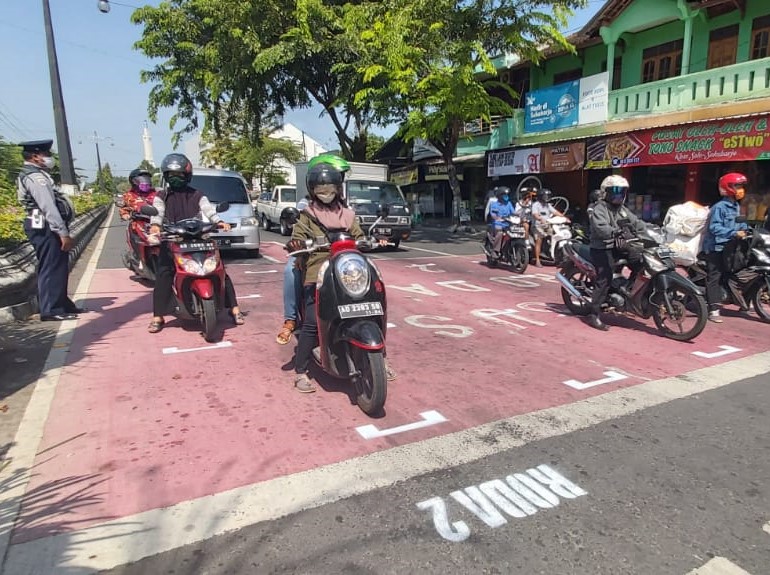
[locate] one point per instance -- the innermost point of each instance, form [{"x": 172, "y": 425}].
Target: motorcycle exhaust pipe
[{"x": 570, "y": 288}]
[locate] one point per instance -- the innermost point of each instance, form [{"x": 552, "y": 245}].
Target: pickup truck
[
  {"x": 367, "y": 186},
  {"x": 270, "y": 206}
]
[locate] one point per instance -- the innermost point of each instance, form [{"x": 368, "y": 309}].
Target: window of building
[
  {"x": 567, "y": 76},
  {"x": 662, "y": 61},
  {"x": 760, "y": 38},
  {"x": 723, "y": 47}
]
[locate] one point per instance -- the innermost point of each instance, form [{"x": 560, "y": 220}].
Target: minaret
[{"x": 147, "y": 143}]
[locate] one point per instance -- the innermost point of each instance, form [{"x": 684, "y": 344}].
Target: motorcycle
[
  {"x": 145, "y": 262},
  {"x": 513, "y": 250},
  {"x": 352, "y": 315},
  {"x": 653, "y": 287},
  {"x": 749, "y": 285},
  {"x": 199, "y": 281},
  {"x": 558, "y": 232}
]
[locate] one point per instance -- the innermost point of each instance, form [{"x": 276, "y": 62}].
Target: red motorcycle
[
  {"x": 199, "y": 281},
  {"x": 144, "y": 260}
]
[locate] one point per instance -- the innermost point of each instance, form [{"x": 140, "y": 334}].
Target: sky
[{"x": 99, "y": 72}]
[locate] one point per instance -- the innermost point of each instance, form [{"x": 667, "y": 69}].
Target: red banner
[{"x": 719, "y": 141}]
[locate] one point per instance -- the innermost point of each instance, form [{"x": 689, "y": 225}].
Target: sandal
[
  {"x": 155, "y": 326},
  {"x": 284, "y": 336},
  {"x": 238, "y": 318},
  {"x": 390, "y": 373},
  {"x": 302, "y": 384}
]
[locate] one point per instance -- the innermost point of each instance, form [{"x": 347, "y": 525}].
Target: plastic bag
[
  {"x": 688, "y": 219},
  {"x": 686, "y": 249}
]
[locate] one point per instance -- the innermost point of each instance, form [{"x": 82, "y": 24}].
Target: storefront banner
[
  {"x": 579, "y": 102},
  {"x": 405, "y": 177},
  {"x": 511, "y": 162},
  {"x": 438, "y": 172},
  {"x": 737, "y": 140},
  {"x": 563, "y": 157}
]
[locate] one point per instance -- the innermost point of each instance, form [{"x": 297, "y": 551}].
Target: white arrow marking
[
  {"x": 726, "y": 350},
  {"x": 252, "y": 296},
  {"x": 221, "y": 344},
  {"x": 609, "y": 377},
  {"x": 428, "y": 418},
  {"x": 261, "y": 272},
  {"x": 391, "y": 324}
]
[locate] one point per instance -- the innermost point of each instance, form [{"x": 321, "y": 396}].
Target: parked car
[
  {"x": 227, "y": 186},
  {"x": 271, "y": 206}
]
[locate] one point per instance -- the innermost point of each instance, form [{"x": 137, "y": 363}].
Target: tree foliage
[
  {"x": 424, "y": 62},
  {"x": 229, "y": 59}
]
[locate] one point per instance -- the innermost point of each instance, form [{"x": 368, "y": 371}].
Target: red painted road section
[{"x": 132, "y": 429}]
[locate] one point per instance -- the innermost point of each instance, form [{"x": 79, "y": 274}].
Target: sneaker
[
  {"x": 715, "y": 316},
  {"x": 302, "y": 384}
]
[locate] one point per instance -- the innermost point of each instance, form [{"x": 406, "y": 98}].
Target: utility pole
[{"x": 99, "y": 159}]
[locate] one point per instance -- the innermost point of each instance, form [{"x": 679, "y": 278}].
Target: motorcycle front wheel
[
  {"x": 688, "y": 307},
  {"x": 761, "y": 302},
  {"x": 372, "y": 384},
  {"x": 520, "y": 259},
  {"x": 583, "y": 284},
  {"x": 208, "y": 309}
]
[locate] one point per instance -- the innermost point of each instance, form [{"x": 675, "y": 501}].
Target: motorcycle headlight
[
  {"x": 210, "y": 264},
  {"x": 248, "y": 221},
  {"x": 191, "y": 266},
  {"x": 654, "y": 264},
  {"x": 353, "y": 272}
]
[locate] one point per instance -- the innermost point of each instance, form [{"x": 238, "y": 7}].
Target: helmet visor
[{"x": 616, "y": 194}]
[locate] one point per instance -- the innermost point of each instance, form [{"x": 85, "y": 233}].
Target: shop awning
[{"x": 469, "y": 158}]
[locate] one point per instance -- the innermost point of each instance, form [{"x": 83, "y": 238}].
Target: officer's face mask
[
  {"x": 176, "y": 181},
  {"x": 326, "y": 193}
]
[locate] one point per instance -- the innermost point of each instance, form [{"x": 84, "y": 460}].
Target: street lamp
[{"x": 66, "y": 167}]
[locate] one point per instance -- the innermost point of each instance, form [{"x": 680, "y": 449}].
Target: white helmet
[{"x": 615, "y": 189}]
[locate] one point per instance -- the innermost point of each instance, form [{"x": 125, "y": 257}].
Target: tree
[
  {"x": 226, "y": 59},
  {"x": 420, "y": 61},
  {"x": 373, "y": 145},
  {"x": 105, "y": 182},
  {"x": 147, "y": 165},
  {"x": 10, "y": 163}
]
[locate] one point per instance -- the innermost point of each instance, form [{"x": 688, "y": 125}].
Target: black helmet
[
  {"x": 544, "y": 196},
  {"x": 322, "y": 174},
  {"x": 140, "y": 180},
  {"x": 501, "y": 191},
  {"x": 177, "y": 163}
]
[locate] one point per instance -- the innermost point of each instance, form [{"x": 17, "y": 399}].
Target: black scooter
[
  {"x": 513, "y": 250},
  {"x": 352, "y": 316}
]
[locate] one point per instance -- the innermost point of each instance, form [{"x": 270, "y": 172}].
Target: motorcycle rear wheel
[
  {"x": 692, "y": 302},
  {"x": 761, "y": 302},
  {"x": 208, "y": 319},
  {"x": 579, "y": 280},
  {"x": 372, "y": 387}
]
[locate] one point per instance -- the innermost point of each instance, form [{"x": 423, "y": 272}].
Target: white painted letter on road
[
  {"x": 459, "y": 330},
  {"x": 726, "y": 350},
  {"x": 416, "y": 289},
  {"x": 497, "y": 315},
  {"x": 424, "y": 268},
  {"x": 462, "y": 285},
  {"x": 455, "y": 532}
]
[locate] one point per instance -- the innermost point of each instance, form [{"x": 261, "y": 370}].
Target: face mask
[
  {"x": 505, "y": 198},
  {"x": 326, "y": 197},
  {"x": 739, "y": 194},
  {"x": 144, "y": 187},
  {"x": 48, "y": 162},
  {"x": 176, "y": 182}
]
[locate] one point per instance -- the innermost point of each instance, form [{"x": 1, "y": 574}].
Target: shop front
[{"x": 426, "y": 188}]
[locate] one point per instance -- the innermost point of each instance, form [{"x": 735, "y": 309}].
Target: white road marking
[
  {"x": 121, "y": 541},
  {"x": 726, "y": 350},
  {"x": 766, "y": 528},
  {"x": 411, "y": 247},
  {"x": 21, "y": 455},
  {"x": 609, "y": 377},
  {"x": 251, "y": 296},
  {"x": 718, "y": 566},
  {"x": 428, "y": 418},
  {"x": 261, "y": 272},
  {"x": 272, "y": 259},
  {"x": 218, "y": 345},
  {"x": 392, "y": 325}
]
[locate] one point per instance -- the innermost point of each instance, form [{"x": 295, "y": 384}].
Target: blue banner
[{"x": 552, "y": 108}]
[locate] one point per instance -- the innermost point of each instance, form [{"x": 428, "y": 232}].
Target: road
[{"x": 515, "y": 439}]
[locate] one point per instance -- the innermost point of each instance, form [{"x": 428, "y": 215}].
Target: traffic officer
[{"x": 48, "y": 215}]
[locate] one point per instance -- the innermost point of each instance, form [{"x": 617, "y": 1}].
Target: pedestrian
[
  {"x": 721, "y": 228},
  {"x": 48, "y": 215}
]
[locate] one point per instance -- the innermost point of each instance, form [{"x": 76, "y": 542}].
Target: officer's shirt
[{"x": 40, "y": 186}]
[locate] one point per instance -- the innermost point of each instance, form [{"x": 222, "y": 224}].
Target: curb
[{"x": 18, "y": 268}]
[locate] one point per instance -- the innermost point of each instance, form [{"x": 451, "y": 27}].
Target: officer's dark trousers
[
  {"x": 162, "y": 295},
  {"x": 52, "y": 271},
  {"x": 603, "y": 262}
]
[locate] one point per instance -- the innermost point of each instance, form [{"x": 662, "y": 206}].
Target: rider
[
  {"x": 498, "y": 212},
  {"x": 523, "y": 207},
  {"x": 179, "y": 201},
  {"x": 324, "y": 183},
  {"x": 141, "y": 193},
  {"x": 292, "y": 290},
  {"x": 721, "y": 228},
  {"x": 605, "y": 231},
  {"x": 542, "y": 210}
]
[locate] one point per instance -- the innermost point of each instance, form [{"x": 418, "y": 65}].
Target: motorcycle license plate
[
  {"x": 517, "y": 232},
  {"x": 383, "y": 231},
  {"x": 365, "y": 309},
  {"x": 196, "y": 246}
]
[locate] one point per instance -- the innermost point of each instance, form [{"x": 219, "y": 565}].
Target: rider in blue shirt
[{"x": 498, "y": 213}]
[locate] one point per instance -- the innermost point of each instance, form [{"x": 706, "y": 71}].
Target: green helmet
[{"x": 340, "y": 164}]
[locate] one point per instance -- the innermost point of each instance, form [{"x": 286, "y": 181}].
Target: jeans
[{"x": 292, "y": 290}]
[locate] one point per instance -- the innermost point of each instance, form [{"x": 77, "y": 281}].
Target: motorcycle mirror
[
  {"x": 223, "y": 207},
  {"x": 148, "y": 210},
  {"x": 383, "y": 210}
]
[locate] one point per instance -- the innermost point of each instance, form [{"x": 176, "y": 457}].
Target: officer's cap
[{"x": 36, "y": 146}]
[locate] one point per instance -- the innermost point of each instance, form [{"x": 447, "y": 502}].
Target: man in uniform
[{"x": 48, "y": 215}]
